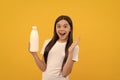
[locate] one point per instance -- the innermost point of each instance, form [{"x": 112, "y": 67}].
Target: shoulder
[
  {"x": 47, "y": 41},
  {"x": 76, "y": 48}
]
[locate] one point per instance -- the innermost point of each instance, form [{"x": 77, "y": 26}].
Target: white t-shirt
[{"x": 55, "y": 59}]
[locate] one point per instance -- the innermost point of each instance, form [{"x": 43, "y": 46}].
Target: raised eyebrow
[
  {"x": 66, "y": 24},
  {"x": 57, "y": 24}
]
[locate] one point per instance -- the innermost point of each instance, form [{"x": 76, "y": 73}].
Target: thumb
[{"x": 77, "y": 40}]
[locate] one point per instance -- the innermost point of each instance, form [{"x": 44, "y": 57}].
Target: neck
[{"x": 60, "y": 40}]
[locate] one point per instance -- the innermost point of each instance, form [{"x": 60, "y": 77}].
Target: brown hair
[{"x": 55, "y": 38}]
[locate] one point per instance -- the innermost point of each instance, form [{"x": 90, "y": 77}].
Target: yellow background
[{"x": 97, "y": 22}]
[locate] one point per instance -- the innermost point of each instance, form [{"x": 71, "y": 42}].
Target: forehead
[{"x": 62, "y": 22}]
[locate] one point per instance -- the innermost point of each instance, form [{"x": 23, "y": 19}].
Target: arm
[
  {"x": 40, "y": 63},
  {"x": 67, "y": 68}
]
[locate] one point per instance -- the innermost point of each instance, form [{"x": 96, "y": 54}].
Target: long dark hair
[{"x": 55, "y": 38}]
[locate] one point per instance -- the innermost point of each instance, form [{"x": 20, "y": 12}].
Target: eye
[
  {"x": 58, "y": 26},
  {"x": 65, "y": 26}
]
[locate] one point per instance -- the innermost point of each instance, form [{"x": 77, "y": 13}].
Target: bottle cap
[{"x": 34, "y": 27}]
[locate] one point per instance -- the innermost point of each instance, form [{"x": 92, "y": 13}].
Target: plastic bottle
[{"x": 34, "y": 39}]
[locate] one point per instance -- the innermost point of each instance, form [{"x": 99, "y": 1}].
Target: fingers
[
  {"x": 33, "y": 53},
  {"x": 76, "y": 41}
]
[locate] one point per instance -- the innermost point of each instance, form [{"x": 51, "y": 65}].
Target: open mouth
[{"x": 62, "y": 34}]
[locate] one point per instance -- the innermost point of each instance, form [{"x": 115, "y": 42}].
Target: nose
[{"x": 61, "y": 28}]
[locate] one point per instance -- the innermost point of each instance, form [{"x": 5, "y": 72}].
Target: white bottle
[{"x": 34, "y": 40}]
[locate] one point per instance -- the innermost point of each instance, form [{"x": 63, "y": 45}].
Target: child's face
[{"x": 63, "y": 29}]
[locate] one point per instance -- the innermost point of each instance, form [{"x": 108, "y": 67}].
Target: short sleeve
[
  {"x": 44, "y": 45},
  {"x": 75, "y": 53}
]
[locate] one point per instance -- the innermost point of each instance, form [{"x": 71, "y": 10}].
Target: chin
[{"x": 62, "y": 38}]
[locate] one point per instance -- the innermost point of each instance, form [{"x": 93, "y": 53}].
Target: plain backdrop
[{"x": 96, "y": 22}]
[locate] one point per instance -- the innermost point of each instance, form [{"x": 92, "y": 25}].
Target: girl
[{"x": 60, "y": 52}]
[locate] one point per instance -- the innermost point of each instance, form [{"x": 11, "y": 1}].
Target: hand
[
  {"x": 33, "y": 53},
  {"x": 75, "y": 43}
]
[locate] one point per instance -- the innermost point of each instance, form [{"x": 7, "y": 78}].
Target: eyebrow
[
  {"x": 64, "y": 24},
  {"x": 57, "y": 24}
]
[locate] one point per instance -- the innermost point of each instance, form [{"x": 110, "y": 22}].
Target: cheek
[
  {"x": 57, "y": 31},
  {"x": 67, "y": 33},
  {"x": 68, "y": 30}
]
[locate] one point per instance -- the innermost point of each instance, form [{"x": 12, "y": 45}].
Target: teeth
[{"x": 62, "y": 33}]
